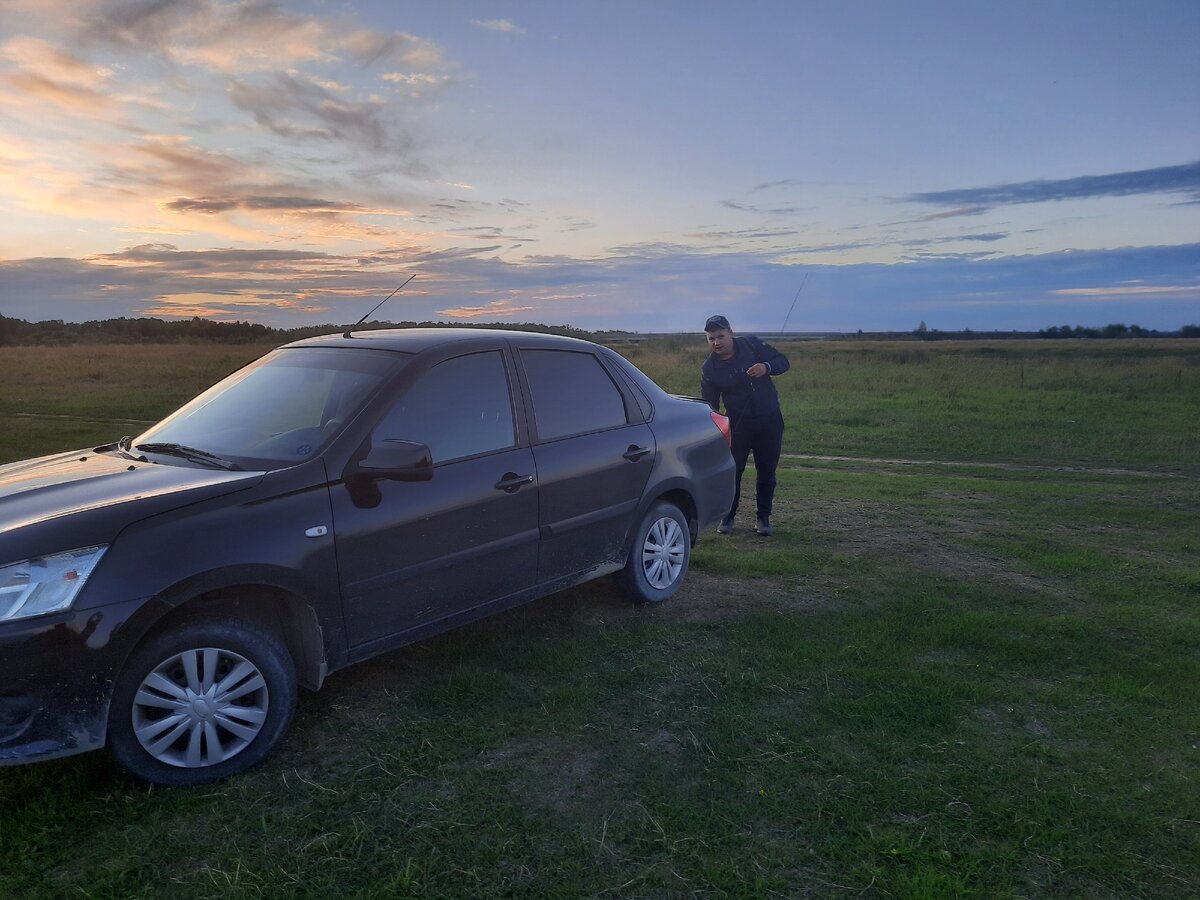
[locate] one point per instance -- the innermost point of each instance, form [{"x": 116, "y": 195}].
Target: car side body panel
[
  {"x": 590, "y": 486},
  {"x": 428, "y": 550}
]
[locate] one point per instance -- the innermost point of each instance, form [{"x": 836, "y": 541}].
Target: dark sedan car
[{"x": 164, "y": 596}]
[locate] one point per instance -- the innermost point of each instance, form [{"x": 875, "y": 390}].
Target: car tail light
[{"x": 722, "y": 422}]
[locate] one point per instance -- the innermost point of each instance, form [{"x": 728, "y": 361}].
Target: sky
[{"x": 824, "y": 165}]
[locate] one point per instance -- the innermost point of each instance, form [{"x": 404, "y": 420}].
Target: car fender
[
  {"x": 674, "y": 489},
  {"x": 274, "y": 539}
]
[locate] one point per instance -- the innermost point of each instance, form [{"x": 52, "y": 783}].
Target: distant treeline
[
  {"x": 186, "y": 331},
  {"x": 194, "y": 330},
  {"x": 1116, "y": 330}
]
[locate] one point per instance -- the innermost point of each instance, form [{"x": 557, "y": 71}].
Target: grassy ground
[
  {"x": 936, "y": 680},
  {"x": 1089, "y": 402}
]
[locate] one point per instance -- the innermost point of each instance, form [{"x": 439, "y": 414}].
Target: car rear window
[{"x": 572, "y": 393}]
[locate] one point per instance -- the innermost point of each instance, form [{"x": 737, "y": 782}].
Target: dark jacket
[{"x": 727, "y": 378}]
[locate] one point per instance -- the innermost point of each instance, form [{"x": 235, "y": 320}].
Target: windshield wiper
[
  {"x": 121, "y": 447},
  {"x": 191, "y": 453}
]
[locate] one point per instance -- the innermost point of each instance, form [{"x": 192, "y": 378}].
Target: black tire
[
  {"x": 209, "y": 699},
  {"x": 658, "y": 556}
]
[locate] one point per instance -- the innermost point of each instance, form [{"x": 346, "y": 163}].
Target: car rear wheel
[
  {"x": 658, "y": 557},
  {"x": 202, "y": 702}
]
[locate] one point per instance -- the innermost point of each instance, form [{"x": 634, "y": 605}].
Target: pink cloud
[{"x": 495, "y": 308}]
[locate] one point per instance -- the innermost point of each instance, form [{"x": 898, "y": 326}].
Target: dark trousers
[{"x": 762, "y": 436}]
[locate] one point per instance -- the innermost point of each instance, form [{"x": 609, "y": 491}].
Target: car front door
[
  {"x": 413, "y": 553},
  {"x": 594, "y": 455}
]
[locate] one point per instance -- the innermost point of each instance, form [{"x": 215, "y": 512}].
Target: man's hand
[{"x": 758, "y": 370}]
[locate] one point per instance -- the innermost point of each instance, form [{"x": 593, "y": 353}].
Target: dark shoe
[
  {"x": 726, "y": 526},
  {"x": 763, "y": 526}
]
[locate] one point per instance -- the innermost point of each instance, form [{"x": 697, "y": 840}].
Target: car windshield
[{"x": 281, "y": 409}]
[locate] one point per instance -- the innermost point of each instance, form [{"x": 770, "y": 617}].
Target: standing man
[{"x": 740, "y": 369}]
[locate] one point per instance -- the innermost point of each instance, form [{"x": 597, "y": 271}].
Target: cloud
[
  {"x": 121, "y": 144},
  {"x": 223, "y": 204},
  {"x": 152, "y": 229},
  {"x": 1156, "y": 287},
  {"x": 164, "y": 160},
  {"x": 456, "y": 203},
  {"x": 136, "y": 179},
  {"x": 575, "y": 224},
  {"x": 53, "y": 62},
  {"x": 258, "y": 51},
  {"x": 202, "y": 204},
  {"x": 954, "y": 239},
  {"x": 647, "y": 250},
  {"x": 777, "y": 211},
  {"x": 502, "y": 308},
  {"x": 229, "y": 306},
  {"x": 299, "y": 109},
  {"x": 169, "y": 174},
  {"x": 211, "y": 260},
  {"x": 417, "y": 79},
  {"x": 953, "y": 213},
  {"x": 246, "y": 36},
  {"x": 225, "y": 37},
  {"x": 122, "y": 181},
  {"x": 499, "y": 25},
  {"x": 42, "y": 73},
  {"x": 742, "y": 234},
  {"x": 1127, "y": 291},
  {"x": 450, "y": 254},
  {"x": 767, "y": 185},
  {"x": 491, "y": 233},
  {"x": 836, "y": 248},
  {"x": 1167, "y": 179}
]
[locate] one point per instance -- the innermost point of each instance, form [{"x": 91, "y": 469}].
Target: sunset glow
[{"x": 632, "y": 166}]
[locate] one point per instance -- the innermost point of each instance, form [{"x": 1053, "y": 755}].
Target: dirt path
[{"x": 983, "y": 464}]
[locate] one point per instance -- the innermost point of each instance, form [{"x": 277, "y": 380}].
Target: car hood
[{"x": 81, "y": 498}]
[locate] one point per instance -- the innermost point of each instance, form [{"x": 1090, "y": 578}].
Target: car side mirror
[{"x": 397, "y": 460}]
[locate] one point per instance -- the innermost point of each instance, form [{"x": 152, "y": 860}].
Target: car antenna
[
  {"x": 379, "y": 304},
  {"x": 793, "y": 306}
]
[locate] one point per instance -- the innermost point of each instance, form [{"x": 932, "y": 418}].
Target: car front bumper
[{"x": 56, "y": 679}]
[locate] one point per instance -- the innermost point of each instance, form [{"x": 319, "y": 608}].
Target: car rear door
[
  {"x": 594, "y": 455},
  {"x": 417, "y": 552}
]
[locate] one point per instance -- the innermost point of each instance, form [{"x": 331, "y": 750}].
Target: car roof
[{"x": 416, "y": 340}]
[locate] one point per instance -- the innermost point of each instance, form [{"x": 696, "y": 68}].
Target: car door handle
[
  {"x": 634, "y": 453},
  {"x": 511, "y": 482}
]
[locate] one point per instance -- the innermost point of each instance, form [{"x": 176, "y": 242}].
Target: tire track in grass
[
  {"x": 983, "y": 464},
  {"x": 97, "y": 419}
]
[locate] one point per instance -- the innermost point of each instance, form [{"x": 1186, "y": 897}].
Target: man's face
[{"x": 721, "y": 342}]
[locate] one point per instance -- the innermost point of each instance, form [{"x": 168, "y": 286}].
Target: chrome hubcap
[
  {"x": 663, "y": 553},
  {"x": 200, "y": 707}
]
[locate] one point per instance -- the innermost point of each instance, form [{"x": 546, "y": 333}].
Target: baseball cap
[{"x": 716, "y": 323}]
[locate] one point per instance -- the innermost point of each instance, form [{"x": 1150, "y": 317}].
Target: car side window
[
  {"x": 572, "y": 393},
  {"x": 460, "y": 407}
]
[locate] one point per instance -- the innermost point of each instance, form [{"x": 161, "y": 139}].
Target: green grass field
[{"x": 966, "y": 665}]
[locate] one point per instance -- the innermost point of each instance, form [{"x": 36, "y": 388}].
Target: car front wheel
[
  {"x": 658, "y": 557},
  {"x": 202, "y": 702}
]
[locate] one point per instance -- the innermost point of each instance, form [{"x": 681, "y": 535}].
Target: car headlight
[{"x": 45, "y": 584}]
